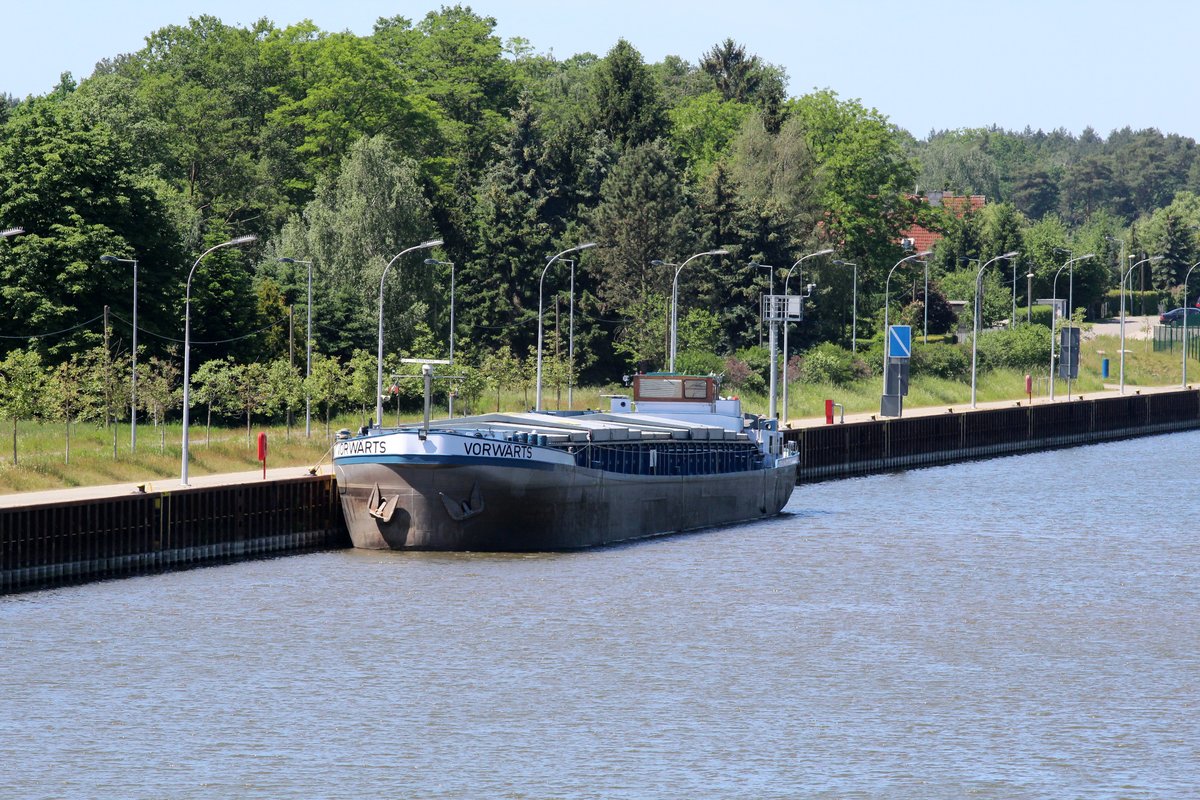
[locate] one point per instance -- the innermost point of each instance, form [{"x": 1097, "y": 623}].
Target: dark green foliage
[
  {"x": 949, "y": 361},
  {"x": 829, "y": 363},
  {"x": 628, "y": 104},
  {"x": 1025, "y": 347},
  {"x": 942, "y": 318}
]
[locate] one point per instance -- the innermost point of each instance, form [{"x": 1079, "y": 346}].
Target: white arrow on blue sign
[{"x": 899, "y": 341}]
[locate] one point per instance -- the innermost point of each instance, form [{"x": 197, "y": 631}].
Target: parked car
[{"x": 1174, "y": 317}]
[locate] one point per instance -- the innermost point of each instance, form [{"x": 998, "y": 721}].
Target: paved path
[
  {"x": 1060, "y": 390},
  {"x": 161, "y": 485}
]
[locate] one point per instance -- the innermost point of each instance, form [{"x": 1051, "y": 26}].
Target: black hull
[{"x": 560, "y": 508}]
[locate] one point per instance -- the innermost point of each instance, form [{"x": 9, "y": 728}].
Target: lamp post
[
  {"x": 571, "y": 340},
  {"x": 1183, "y": 372},
  {"x": 787, "y": 278},
  {"x": 675, "y": 295},
  {"x": 307, "y": 348},
  {"x": 133, "y": 373},
  {"x": 7, "y": 232},
  {"x": 887, "y": 305},
  {"x": 853, "y": 305},
  {"x": 379, "y": 351},
  {"x": 187, "y": 341},
  {"x": 774, "y": 373},
  {"x": 541, "y": 284},
  {"x": 433, "y": 262},
  {"x": 975, "y": 331},
  {"x": 1124, "y": 278},
  {"x": 1069, "y": 266}
]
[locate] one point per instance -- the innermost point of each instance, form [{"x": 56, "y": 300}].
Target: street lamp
[
  {"x": 1183, "y": 383},
  {"x": 379, "y": 350},
  {"x": 541, "y": 283},
  {"x": 133, "y": 374},
  {"x": 1124, "y": 278},
  {"x": 854, "y": 306},
  {"x": 887, "y": 306},
  {"x": 571, "y": 340},
  {"x": 1054, "y": 307},
  {"x": 433, "y": 262},
  {"x": 675, "y": 295},
  {"x": 187, "y": 341},
  {"x": 307, "y": 348},
  {"x": 975, "y": 331},
  {"x": 787, "y": 278},
  {"x": 7, "y": 232}
]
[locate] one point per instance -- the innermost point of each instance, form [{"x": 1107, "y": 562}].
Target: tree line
[{"x": 341, "y": 150}]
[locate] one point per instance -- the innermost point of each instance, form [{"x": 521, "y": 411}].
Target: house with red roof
[{"x": 919, "y": 238}]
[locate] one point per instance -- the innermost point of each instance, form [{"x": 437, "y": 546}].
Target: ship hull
[{"x": 486, "y": 507}]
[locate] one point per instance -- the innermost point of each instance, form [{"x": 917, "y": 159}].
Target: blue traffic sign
[{"x": 899, "y": 341}]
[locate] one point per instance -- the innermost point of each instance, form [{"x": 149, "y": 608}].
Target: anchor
[
  {"x": 382, "y": 508},
  {"x": 460, "y": 510}
]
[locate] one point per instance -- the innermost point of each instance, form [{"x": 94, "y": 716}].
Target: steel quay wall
[
  {"x": 860, "y": 448},
  {"x": 61, "y": 543}
]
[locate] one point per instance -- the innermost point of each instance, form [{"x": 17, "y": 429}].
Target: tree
[
  {"x": 326, "y": 384},
  {"x": 252, "y": 390},
  {"x": 703, "y": 129},
  {"x": 22, "y": 388},
  {"x": 745, "y": 79},
  {"x": 351, "y": 230},
  {"x": 500, "y": 369},
  {"x": 65, "y": 393},
  {"x": 512, "y": 225},
  {"x": 286, "y": 388},
  {"x": 161, "y": 391},
  {"x": 212, "y": 385},
  {"x": 643, "y": 215},
  {"x": 72, "y": 185},
  {"x": 628, "y": 106}
]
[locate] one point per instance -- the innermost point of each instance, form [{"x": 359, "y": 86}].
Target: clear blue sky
[{"x": 926, "y": 64}]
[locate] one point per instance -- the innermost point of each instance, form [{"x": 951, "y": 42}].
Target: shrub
[
  {"x": 828, "y": 363},
  {"x": 740, "y": 376},
  {"x": 948, "y": 361},
  {"x": 699, "y": 362},
  {"x": 1025, "y": 347}
]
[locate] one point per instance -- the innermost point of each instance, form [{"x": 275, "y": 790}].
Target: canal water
[{"x": 1022, "y": 627}]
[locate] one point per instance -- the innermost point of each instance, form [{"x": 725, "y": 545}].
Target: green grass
[{"x": 41, "y": 447}]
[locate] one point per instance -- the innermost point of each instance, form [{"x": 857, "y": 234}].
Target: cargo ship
[{"x": 675, "y": 456}]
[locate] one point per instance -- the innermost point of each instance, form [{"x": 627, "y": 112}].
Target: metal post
[
  {"x": 541, "y": 280},
  {"x": 887, "y": 284},
  {"x": 771, "y": 322},
  {"x": 675, "y": 297},
  {"x": 787, "y": 278},
  {"x": 187, "y": 350},
  {"x": 133, "y": 366},
  {"x": 307, "y": 348},
  {"x": 1124, "y": 278},
  {"x": 925, "y": 304},
  {"x": 1183, "y": 371},
  {"x": 853, "y": 306},
  {"x": 308, "y": 361},
  {"x": 571, "y": 341},
  {"x": 379, "y": 351},
  {"x": 978, "y": 316}
]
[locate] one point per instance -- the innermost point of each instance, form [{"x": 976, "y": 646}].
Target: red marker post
[{"x": 262, "y": 452}]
